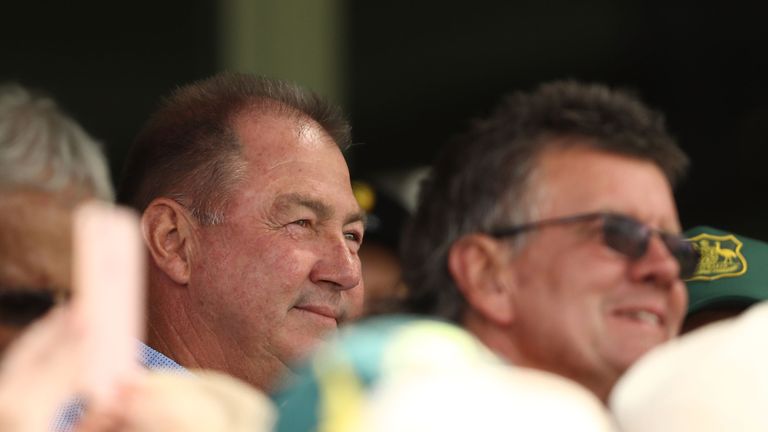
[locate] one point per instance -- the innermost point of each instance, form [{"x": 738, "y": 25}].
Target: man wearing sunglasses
[{"x": 550, "y": 232}]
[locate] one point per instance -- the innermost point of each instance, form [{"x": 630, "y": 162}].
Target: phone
[{"x": 108, "y": 295}]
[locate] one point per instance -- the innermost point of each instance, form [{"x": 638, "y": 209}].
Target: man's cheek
[{"x": 356, "y": 298}]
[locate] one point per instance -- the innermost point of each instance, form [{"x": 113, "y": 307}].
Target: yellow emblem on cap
[{"x": 720, "y": 257}]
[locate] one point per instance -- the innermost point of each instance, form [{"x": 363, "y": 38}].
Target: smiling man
[
  {"x": 550, "y": 232},
  {"x": 251, "y": 225}
]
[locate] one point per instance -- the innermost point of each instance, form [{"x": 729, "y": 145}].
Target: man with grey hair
[
  {"x": 550, "y": 232},
  {"x": 48, "y": 164},
  {"x": 251, "y": 225}
]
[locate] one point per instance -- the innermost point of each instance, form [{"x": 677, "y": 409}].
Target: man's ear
[
  {"x": 480, "y": 267},
  {"x": 168, "y": 231}
]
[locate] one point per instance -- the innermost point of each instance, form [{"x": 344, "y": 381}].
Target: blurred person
[
  {"x": 87, "y": 347},
  {"x": 549, "y": 231},
  {"x": 381, "y": 268},
  {"x": 732, "y": 275},
  {"x": 709, "y": 380},
  {"x": 160, "y": 401},
  {"x": 98, "y": 327},
  {"x": 44, "y": 149},
  {"x": 402, "y": 373},
  {"x": 48, "y": 164},
  {"x": 42, "y": 367},
  {"x": 251, "y": 226},
  {"x": 35, "y": 249},
  {"x": 38, "y": 372}
]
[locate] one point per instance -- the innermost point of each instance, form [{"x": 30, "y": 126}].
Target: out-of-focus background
[{"x": 412, "y": 73}]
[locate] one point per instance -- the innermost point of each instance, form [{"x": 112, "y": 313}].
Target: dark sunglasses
[
  {"x": 624, "y": 235},
  {"x": 19, "y": 307}
]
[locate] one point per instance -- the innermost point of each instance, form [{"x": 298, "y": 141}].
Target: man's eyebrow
[
  {"x": 358, "y": 216},
  {"x": 321, "y": 209}
]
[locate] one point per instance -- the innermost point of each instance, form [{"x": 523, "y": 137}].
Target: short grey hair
[{"x": 43, "y": 148}]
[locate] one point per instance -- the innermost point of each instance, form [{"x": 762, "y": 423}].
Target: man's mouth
[
  {"x": 322, "y": 312},
  {"x": 642, "y": 314}
]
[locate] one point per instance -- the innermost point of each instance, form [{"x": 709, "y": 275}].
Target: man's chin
[
  {"x": 301, "y": 345},
  {"x": 625, "y": 356}
]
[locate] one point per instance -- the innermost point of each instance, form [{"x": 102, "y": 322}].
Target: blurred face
[
  {"x": 282, "y": 270},
  {"x": 584, "y": 310},
  {"x": 381, "y": 274},
  {"x": 34, "y": 254}
]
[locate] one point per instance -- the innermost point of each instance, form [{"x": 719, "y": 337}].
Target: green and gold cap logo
[
  {"x": 721, "y": 257},
  {"x": 722, "y": 277}
]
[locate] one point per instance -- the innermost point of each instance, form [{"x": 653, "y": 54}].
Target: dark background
[{"x": 416, "y": 72}]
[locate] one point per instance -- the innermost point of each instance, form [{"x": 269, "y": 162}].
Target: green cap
[{"x": 733, "y": 270}]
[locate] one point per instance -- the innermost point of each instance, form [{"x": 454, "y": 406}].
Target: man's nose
[
  {"x": 337, "y": 264},
  {"x": 657, "y": 265}
]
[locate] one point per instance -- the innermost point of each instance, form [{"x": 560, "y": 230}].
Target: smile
[
  {"x": 642, "y": 315},
  {"x": 322, "y": 312}
]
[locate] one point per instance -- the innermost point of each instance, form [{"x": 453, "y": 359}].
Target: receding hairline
[
  {"x": 260, "y": 110},
  {"x": 301, "y": 124}
]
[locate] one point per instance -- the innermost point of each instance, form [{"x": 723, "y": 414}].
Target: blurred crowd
[{"x": 239, "y": 279}]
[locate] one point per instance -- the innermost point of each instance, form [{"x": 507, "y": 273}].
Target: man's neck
[
  {"x": 172, "y": 344},
  {"x": 498, "y": 340},
  {"x": 185, "y": 338}
]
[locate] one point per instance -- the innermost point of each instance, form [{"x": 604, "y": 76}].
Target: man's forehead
[
  {"x": 37, "y": 257},
  {"x": 39, "y": 220},
  {"x": 35, "y": 241},
  {"x": 584, "y": 178}
]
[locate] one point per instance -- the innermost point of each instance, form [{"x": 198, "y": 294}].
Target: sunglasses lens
[
  {"x": 629, "y": 237},
  {"x": 684, "y": 252},
  {"x": 626, "y": 235}
]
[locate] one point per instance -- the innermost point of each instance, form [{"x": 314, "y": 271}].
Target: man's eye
[
  {"x": 353, "y": 236},
  {"x": 304, "y": 223}
]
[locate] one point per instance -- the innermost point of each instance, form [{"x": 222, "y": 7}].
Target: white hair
[{"x": 43, "y": 148}]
